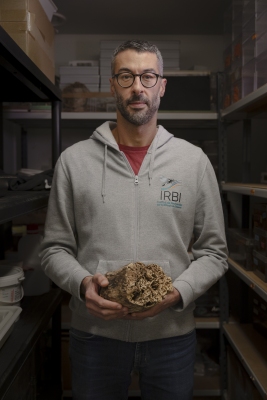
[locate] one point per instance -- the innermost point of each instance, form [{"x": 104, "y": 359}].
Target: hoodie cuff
[
  {"x": 75, "y": 285},
  {"x": 186, "y": 293}
]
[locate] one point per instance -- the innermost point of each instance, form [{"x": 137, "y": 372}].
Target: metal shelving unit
[
  {"x": 181, "y": 119},
  {"x": 248, "y": 345},
  {"x": 252, "y": 280},
  {"x": 250, "y": 348},
  {"x": 22, "y": 81},
  {"x": 16, "y": 203},
  {"x": 249, "y": 189}
]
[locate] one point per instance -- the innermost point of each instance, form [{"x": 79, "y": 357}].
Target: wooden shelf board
[
  {"x": 162, "y": 115},
  {"x": 25, "y": 81},
  {"x": 207, "y": 322},
  {"x": 207, "y": 385},
  {"x": 250, "y": 189},
  {"x": 16, "y": 203},
  {"x": 36, "y": 314},
  {"x": 250, "y": 103},
  {"x": 250, "y": 347},
  {"x": 251, "y": 279}
]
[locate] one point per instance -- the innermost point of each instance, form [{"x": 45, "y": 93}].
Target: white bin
[{"x": 11, "y": 290}]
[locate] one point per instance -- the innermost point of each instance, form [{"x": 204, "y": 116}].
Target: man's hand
[
  {"x": 95, "y": 304},
  {"x": 170, "y": 300}
]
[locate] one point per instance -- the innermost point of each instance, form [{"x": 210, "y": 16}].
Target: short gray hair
[{"x": 140, "y": 46}]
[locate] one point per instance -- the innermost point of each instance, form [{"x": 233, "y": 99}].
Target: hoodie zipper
[{"x": 136, "y": 227}]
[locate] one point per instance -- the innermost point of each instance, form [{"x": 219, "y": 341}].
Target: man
[{"x": 132, "y": 192}]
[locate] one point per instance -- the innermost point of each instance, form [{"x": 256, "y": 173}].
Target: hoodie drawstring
[
  {"x": 150, "y": 171},
  {"x": 152, "y": 159},
  {"x": 103, "y": 190}
]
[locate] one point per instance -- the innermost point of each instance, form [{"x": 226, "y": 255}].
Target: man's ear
[{"x": 163, "y": 87}]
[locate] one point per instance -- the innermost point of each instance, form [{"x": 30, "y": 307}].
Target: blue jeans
[{"x": 101, "y": 367}]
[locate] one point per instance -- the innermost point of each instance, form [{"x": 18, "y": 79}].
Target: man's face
[{"x": 137, "y": 104}]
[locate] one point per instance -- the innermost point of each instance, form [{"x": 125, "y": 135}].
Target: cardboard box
[{"x": 27, "y": 24}]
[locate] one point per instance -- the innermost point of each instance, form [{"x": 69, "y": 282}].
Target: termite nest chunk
[{"x": 137, "y": 286}]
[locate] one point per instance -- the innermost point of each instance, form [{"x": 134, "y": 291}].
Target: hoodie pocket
[{"x": 112, "y": 265}]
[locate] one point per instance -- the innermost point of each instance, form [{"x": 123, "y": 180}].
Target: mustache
[{"x": 134, "y": 98}]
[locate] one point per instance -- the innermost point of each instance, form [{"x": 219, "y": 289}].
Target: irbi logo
[{"x": 170, "y": 194}]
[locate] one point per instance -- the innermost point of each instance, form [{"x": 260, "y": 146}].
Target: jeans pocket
[{"x": 80, "y": 335}]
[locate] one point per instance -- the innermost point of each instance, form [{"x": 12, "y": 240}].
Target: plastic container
[
  {"x": 36, "y": 282},
  {"x": 261, "y": 69},
  {"x": 227, "y": 56},
  {"x": 261, "y": 44},
  {"x": 249, "y": 50},
  {"x": 240, "y": 245},
  {"x": 237, "y": 22},
  {"x": 237, "y": 50},
  {"x": 261, "y": 23},
  {"x": 260, "y": 216},
  {"x": 260, "y": 241},
  {"x": 260, "y": 265},
  {"x": 8, "y": 316},
  {"x": 11, "y": 290},
  {"x": 247, "y": 82},
  {"x": 259, "y": 314}
]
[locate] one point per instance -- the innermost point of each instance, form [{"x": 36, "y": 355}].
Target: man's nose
[{"x": 137, "y": 86}]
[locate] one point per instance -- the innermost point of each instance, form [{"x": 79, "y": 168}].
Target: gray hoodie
[{"x": 101, "y": 217}]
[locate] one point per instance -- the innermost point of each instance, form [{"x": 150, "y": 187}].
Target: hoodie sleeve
[
  {"x": 209, "y": 249},
  {"x": 59, "y": 246}
]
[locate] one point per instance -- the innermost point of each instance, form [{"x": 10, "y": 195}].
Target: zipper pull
[{"x": 136, "y": 180}]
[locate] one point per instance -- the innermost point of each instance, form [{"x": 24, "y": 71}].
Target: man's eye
[
  {"x": 126, "y": 77},
  {"x": 148, "y": 77}
]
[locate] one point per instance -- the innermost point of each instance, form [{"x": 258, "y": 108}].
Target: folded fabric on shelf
[{"x": 41, "y": 181}]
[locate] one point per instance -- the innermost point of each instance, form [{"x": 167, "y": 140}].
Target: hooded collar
[{"x": 104, "y": 134}]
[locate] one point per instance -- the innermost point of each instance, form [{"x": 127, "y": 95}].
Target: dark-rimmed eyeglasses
[{"x": 126, "y": 79}]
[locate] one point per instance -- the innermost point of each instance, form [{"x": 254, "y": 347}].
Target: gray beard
[{"x": 139, "y": 117}]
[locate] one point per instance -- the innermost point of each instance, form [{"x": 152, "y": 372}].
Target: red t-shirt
[{"x": 135, "y": 155}]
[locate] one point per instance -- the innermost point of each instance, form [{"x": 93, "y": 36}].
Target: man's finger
[{"x": 100, "y": 280}]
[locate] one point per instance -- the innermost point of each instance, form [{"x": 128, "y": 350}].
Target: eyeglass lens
[{"x": 148, "y": 79}]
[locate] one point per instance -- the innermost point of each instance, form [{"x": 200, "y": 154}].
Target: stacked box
[
  {"x": 28, "y": 25},
  {"x": 261, "y": 70},
  {"x": 246, "y": 36},
  {"x": 260, "y": 265},
  {"x": 260, "y": 240},
  {"x": 79, "y": 83},
  {"x": 89, "y": 76},
  {"x": 240, "y": 246},
  {"x": 259, "y": 314},
  {"x": 260, "y": 216}
]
